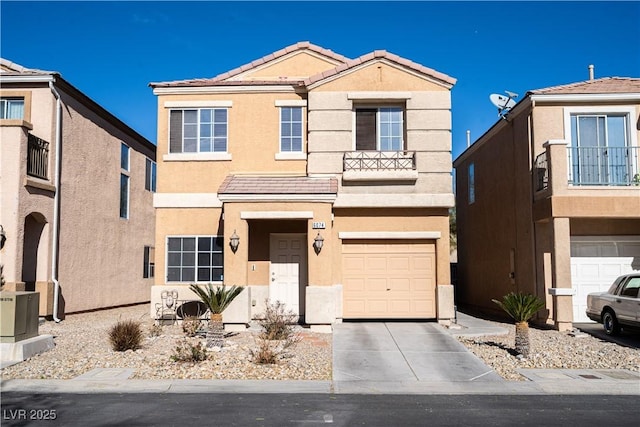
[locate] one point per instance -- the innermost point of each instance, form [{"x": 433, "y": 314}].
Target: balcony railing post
[{"x": 602, "y": 165}]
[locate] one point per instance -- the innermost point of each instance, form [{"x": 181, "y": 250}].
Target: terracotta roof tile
[
  {"x": 234, "y": 184},
  {"x": 380, "y": 54},
  {"x": 215, "y": 81},
  {"x": 602, "y": 85}
]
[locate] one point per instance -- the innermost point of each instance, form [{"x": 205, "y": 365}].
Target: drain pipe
[{"x": 56, "y": 205}]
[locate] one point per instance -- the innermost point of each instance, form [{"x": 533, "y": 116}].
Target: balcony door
[{"x": 600, "y": 150}]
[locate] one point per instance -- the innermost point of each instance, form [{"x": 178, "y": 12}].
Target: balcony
[
  {"x": 603, "y": 166},
  {"x": 379, "y": 166},
  {"x": 37, "y": 157}
]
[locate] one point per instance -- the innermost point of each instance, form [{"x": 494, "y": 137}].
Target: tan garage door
[{"x": 389, "y": 279}]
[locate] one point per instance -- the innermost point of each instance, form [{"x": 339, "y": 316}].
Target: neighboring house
[
  {"x": 76, "y": 198},
  {"x": 548, "y": 200},
  {"x": 303, "y": 148}
]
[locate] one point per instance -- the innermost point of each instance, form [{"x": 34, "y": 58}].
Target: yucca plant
[
  {"x": 217, "y": 299},
  {"x": 521, "y": 307}
]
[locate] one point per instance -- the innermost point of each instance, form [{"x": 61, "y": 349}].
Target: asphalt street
[{"x": 20, "y": 409}]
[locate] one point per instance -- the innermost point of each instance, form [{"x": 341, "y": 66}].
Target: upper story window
[
  {"x": 202, "y": 130},
  {"x": 472, "y": 183},
  {"x": 291, "y": 129},
  {"x": 150, "y": 176},
  {"x": 124, "y": 181},
  {"x": 12, "y": 108},
  {"x": 380, "y": 129},
  {"x": 601, "y": 151}
]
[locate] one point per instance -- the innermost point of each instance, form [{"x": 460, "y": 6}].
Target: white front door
[{"x": 288, "y": 270}]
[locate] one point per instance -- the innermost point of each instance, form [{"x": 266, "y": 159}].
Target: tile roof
[
  {"x": 380, "y": 54},
  {"x": 602, "y": 85},
  {"x": 234, "y": 184},
  {"x": 345, "y": 64},
  {"x": 9, "y": 68},
  {"x": 219, "y": 80}
]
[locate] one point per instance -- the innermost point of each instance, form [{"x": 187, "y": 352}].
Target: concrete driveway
[{"x": 403, "y": 352}]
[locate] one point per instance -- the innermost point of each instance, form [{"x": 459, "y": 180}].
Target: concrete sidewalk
[{"x": 434, "y": 365}]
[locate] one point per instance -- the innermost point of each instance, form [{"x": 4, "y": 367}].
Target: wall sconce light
[
  {"x": 317, "y": 243},
  {"x": 234, "y": 241},
  {"x": 3, "y": 237}
]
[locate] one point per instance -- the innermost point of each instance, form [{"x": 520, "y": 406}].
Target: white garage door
[
  {"x": 596, "y": 261},
  {"x": 389, "y": 279}
]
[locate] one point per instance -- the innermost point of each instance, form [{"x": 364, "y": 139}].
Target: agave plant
[
  {"x": 521, "y": 307},
  {"x": 217, "y": 299}
]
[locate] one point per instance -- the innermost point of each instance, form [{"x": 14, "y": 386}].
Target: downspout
[{"x": 56, "y": 205}]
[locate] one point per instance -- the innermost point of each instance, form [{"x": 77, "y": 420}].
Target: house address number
[{"x": 318, "y": 225}]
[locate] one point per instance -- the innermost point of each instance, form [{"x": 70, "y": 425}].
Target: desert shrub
[
  {"x": 266, "y": 354},
  {"x": 188, "y": 352},
  {"x": 278, "y": 322},
  {"x": 190, "y": 326},
  {"x": 155, "y": 330},
  {"x": 125, "y": 335}
]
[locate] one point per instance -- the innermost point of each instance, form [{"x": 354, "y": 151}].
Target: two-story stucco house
[
  {"x": 332, "y": 174},
  {"x": 76, "y": 202},
  {"x": 548, "y": 200}
]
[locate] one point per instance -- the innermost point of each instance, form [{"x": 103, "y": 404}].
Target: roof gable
[{"x": 377, "y": 57}]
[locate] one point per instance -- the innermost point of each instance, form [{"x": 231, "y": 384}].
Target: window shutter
[
  {"x": 366, "y": 129},
  {"x": 175, "y": 129}
]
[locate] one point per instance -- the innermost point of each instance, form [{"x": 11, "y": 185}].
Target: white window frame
[
  {"x": 198, "y": 151},
  {"x": 629, "y": 113},
  {"x": 291, "y": 122},
  {"x": 6, "y": 104},
  {"x": 150, "y": 180},
  {"x": 196, "y": 237},
  {"x": 378, "y": 107}
]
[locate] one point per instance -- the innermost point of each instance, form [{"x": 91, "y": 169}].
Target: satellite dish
[{"x": 504, "y": 103}]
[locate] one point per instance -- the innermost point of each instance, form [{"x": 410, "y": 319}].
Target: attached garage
[
  {"x": 389, "y": 279},
  {"x": 596, "y": 261}
]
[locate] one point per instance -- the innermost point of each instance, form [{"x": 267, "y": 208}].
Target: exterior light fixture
[
  {"x": 317, "y": 243},
  {"x": 234, "y": 241},
  {"x": 3, "y": 237}
]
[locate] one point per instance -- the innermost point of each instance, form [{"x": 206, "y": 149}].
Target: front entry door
[{"x": 288, "y": 270}]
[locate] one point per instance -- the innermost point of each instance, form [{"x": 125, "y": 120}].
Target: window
[
  {"x": 379, "y": 129},
  {"x": 601, "y": 152},
  {"x": 124, "y": 157},
  {"x": 195, "y": 259},
  {"x": 472, "y": 183},
  {"x": 291, "y": 129},
  {"x": 11, "y": 108},
  {"x": 149, "y": 266},
  {"x": 124, "y": 196},
  {"x": 198, "y": 131},
  {"x": 150, "y": 176},
  {"x": 124, "y": 181}
]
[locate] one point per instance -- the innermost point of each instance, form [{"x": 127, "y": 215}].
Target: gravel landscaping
[
  {"x": 551, "y": 349},
  {"x": 82, "y": 344}
]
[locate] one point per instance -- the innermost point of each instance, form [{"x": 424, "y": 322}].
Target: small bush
[
  {"x": 266, "y": 354},
  {"x": 155, "y": 330},
  {"x": 278, "y": 323},
  {"x": 125, "y": 335},
  {"x": 190, "y": 326},
  {"x": 187, "y": 352}
]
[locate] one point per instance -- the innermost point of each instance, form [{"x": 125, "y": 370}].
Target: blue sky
[{"x": 112, "y": 50}]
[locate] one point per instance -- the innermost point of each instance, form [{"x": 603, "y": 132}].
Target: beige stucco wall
[
  {"x": 253, "y": 127},
  {"x": 296, "y": 66}
]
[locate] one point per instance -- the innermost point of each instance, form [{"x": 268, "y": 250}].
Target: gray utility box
[{"x": 19, "y": 313}]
